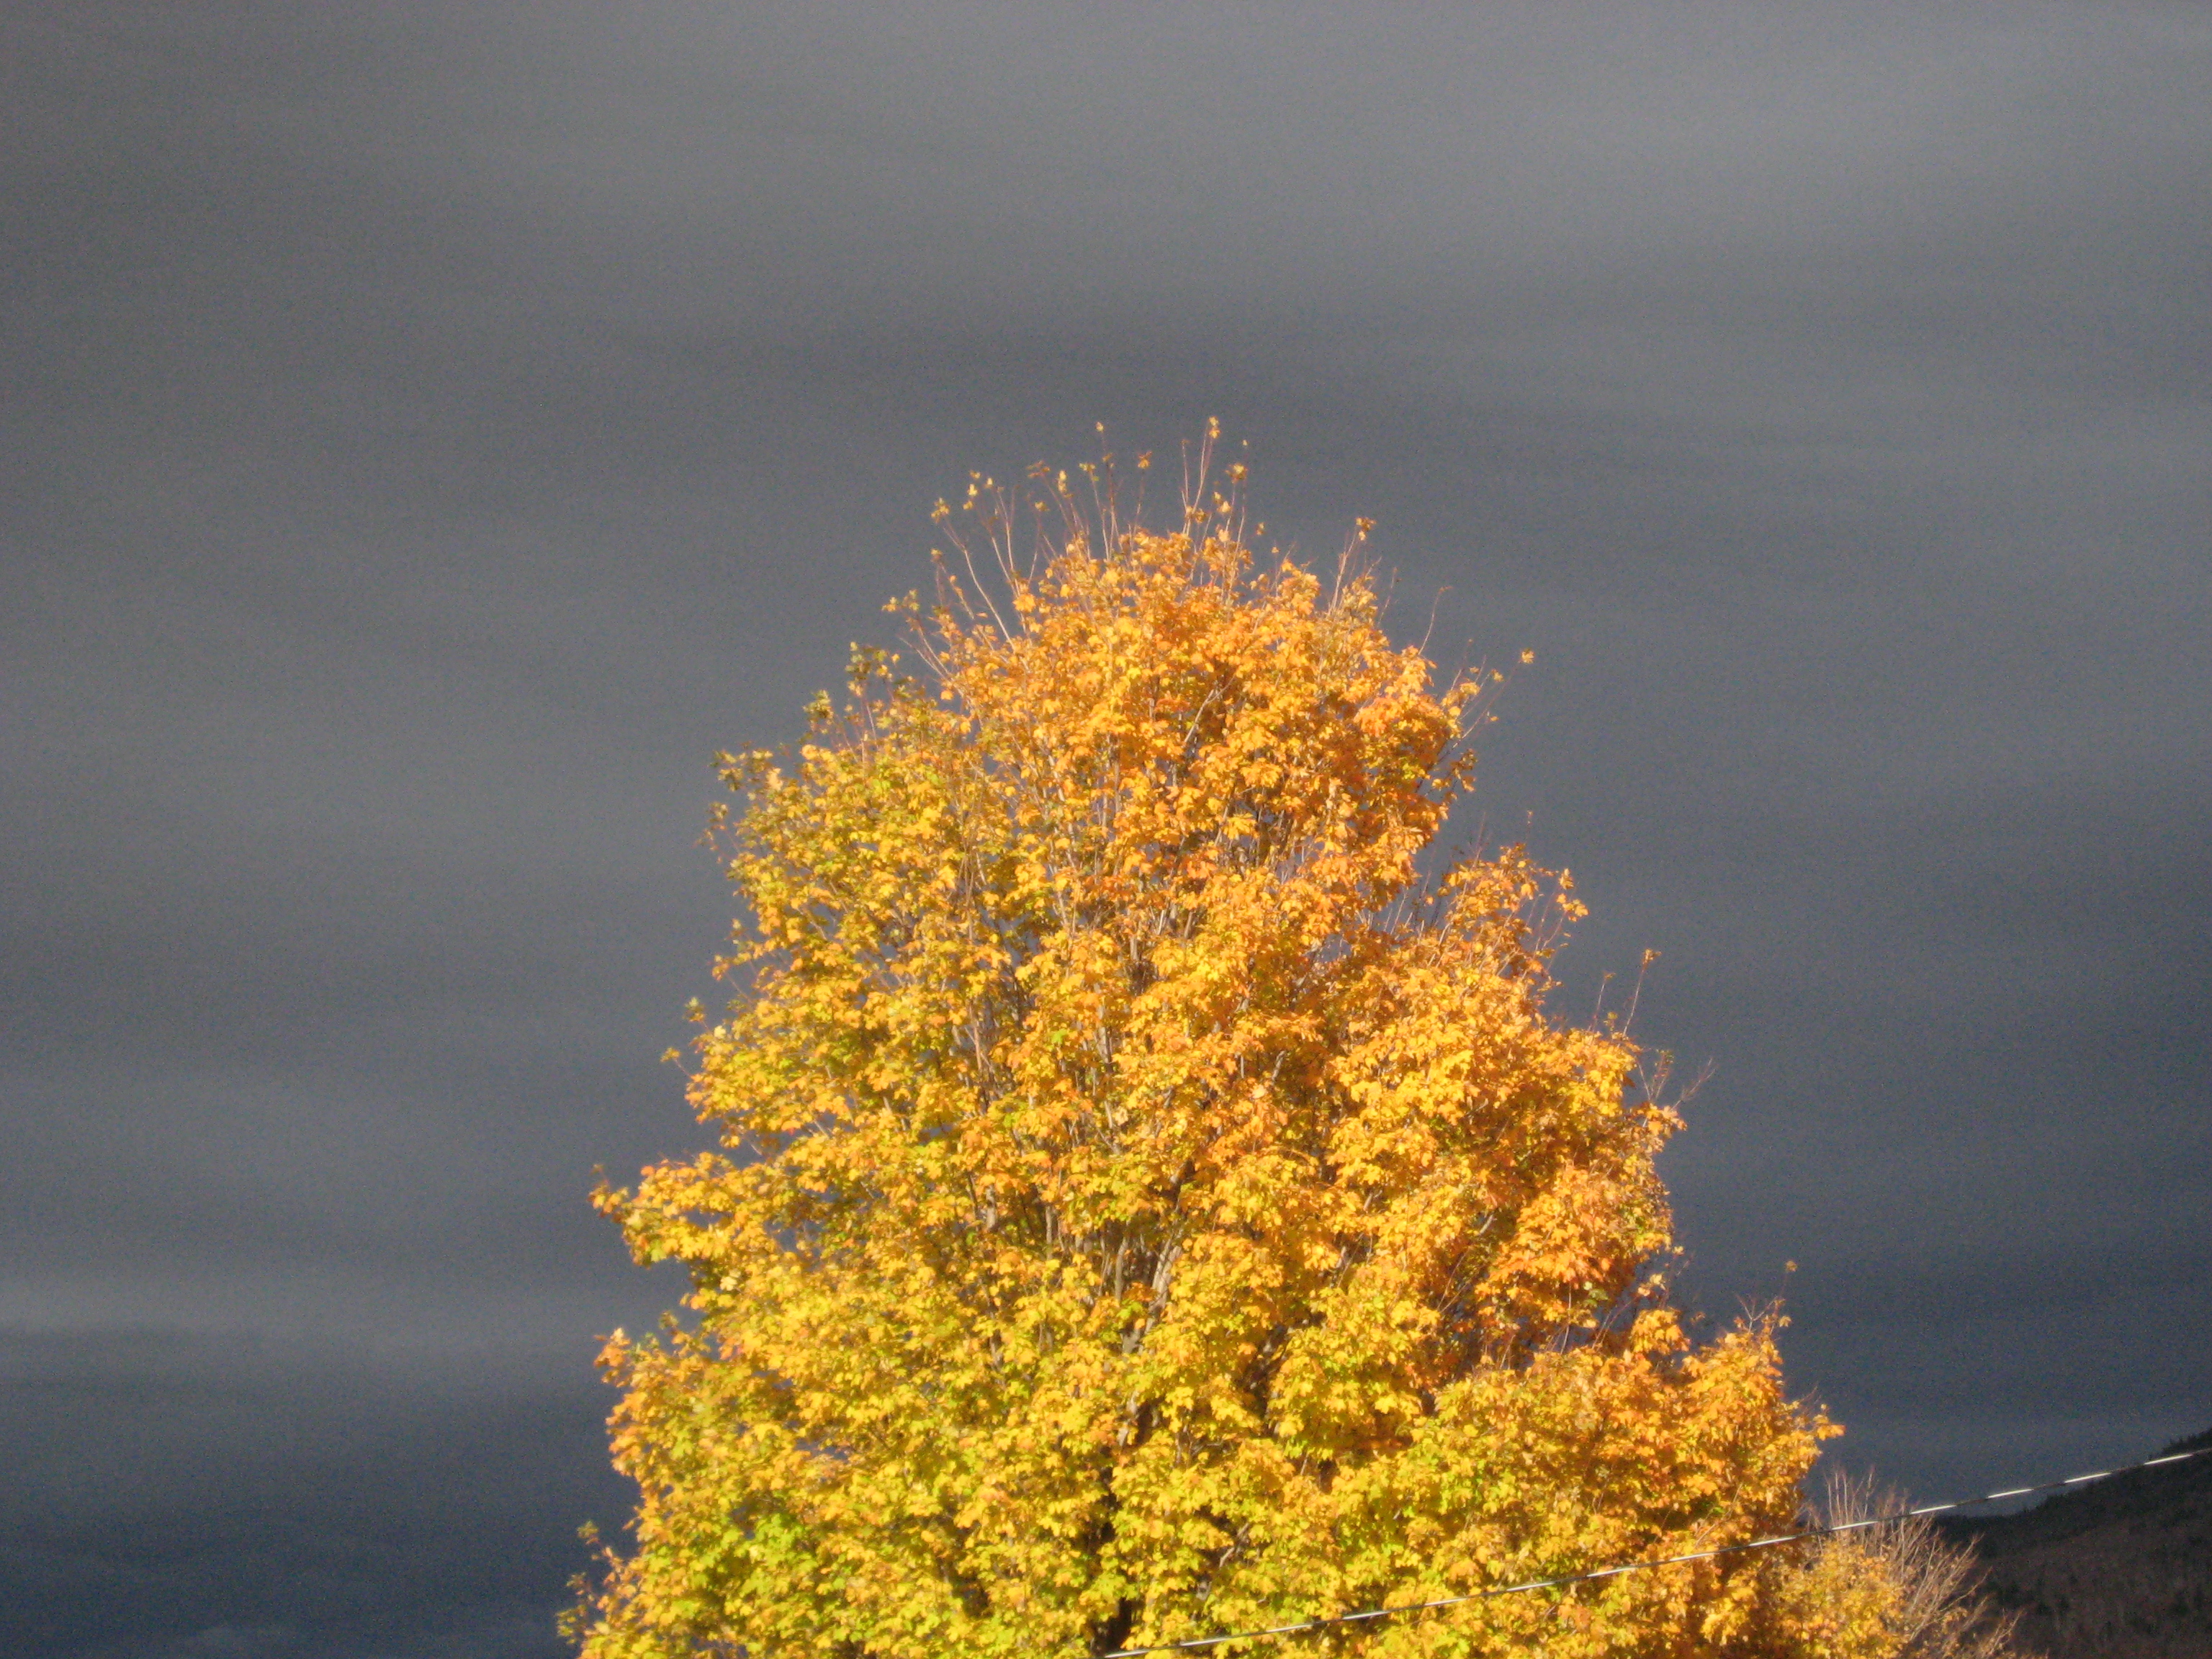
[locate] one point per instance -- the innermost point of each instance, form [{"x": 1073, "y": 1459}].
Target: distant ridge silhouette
[{"x": 2119, "y": 1569}]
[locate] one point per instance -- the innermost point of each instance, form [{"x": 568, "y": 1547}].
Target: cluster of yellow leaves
[{"x": 1149, "y": 1205}]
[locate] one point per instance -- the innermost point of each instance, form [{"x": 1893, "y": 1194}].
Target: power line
[{"x": 1197, "y": 1642}]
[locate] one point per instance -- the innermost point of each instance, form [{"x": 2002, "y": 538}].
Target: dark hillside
[{"x": 2119, "y": 1569}]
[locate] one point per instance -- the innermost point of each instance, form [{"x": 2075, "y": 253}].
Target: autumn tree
[{"x": 1153, "y": 1197}]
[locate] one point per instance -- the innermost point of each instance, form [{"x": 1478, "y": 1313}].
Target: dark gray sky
[{"x": 432, "y": 431}]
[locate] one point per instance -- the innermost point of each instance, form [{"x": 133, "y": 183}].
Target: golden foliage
[
  {"x": 1923, "y": 1589},
  {"x": 1149, "y": 1205}
]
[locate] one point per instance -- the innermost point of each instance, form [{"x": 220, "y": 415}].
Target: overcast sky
[{"x": 433, "y": 431}]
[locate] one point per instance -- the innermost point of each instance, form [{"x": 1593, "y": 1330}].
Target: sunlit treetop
[{"x": 1154, "y": 1198}]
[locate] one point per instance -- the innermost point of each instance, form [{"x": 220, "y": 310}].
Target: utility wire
[{"x": 1299, "y": 1629}]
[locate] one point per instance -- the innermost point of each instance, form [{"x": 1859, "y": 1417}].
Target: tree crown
[{"x": 1151, "y": 1201}]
